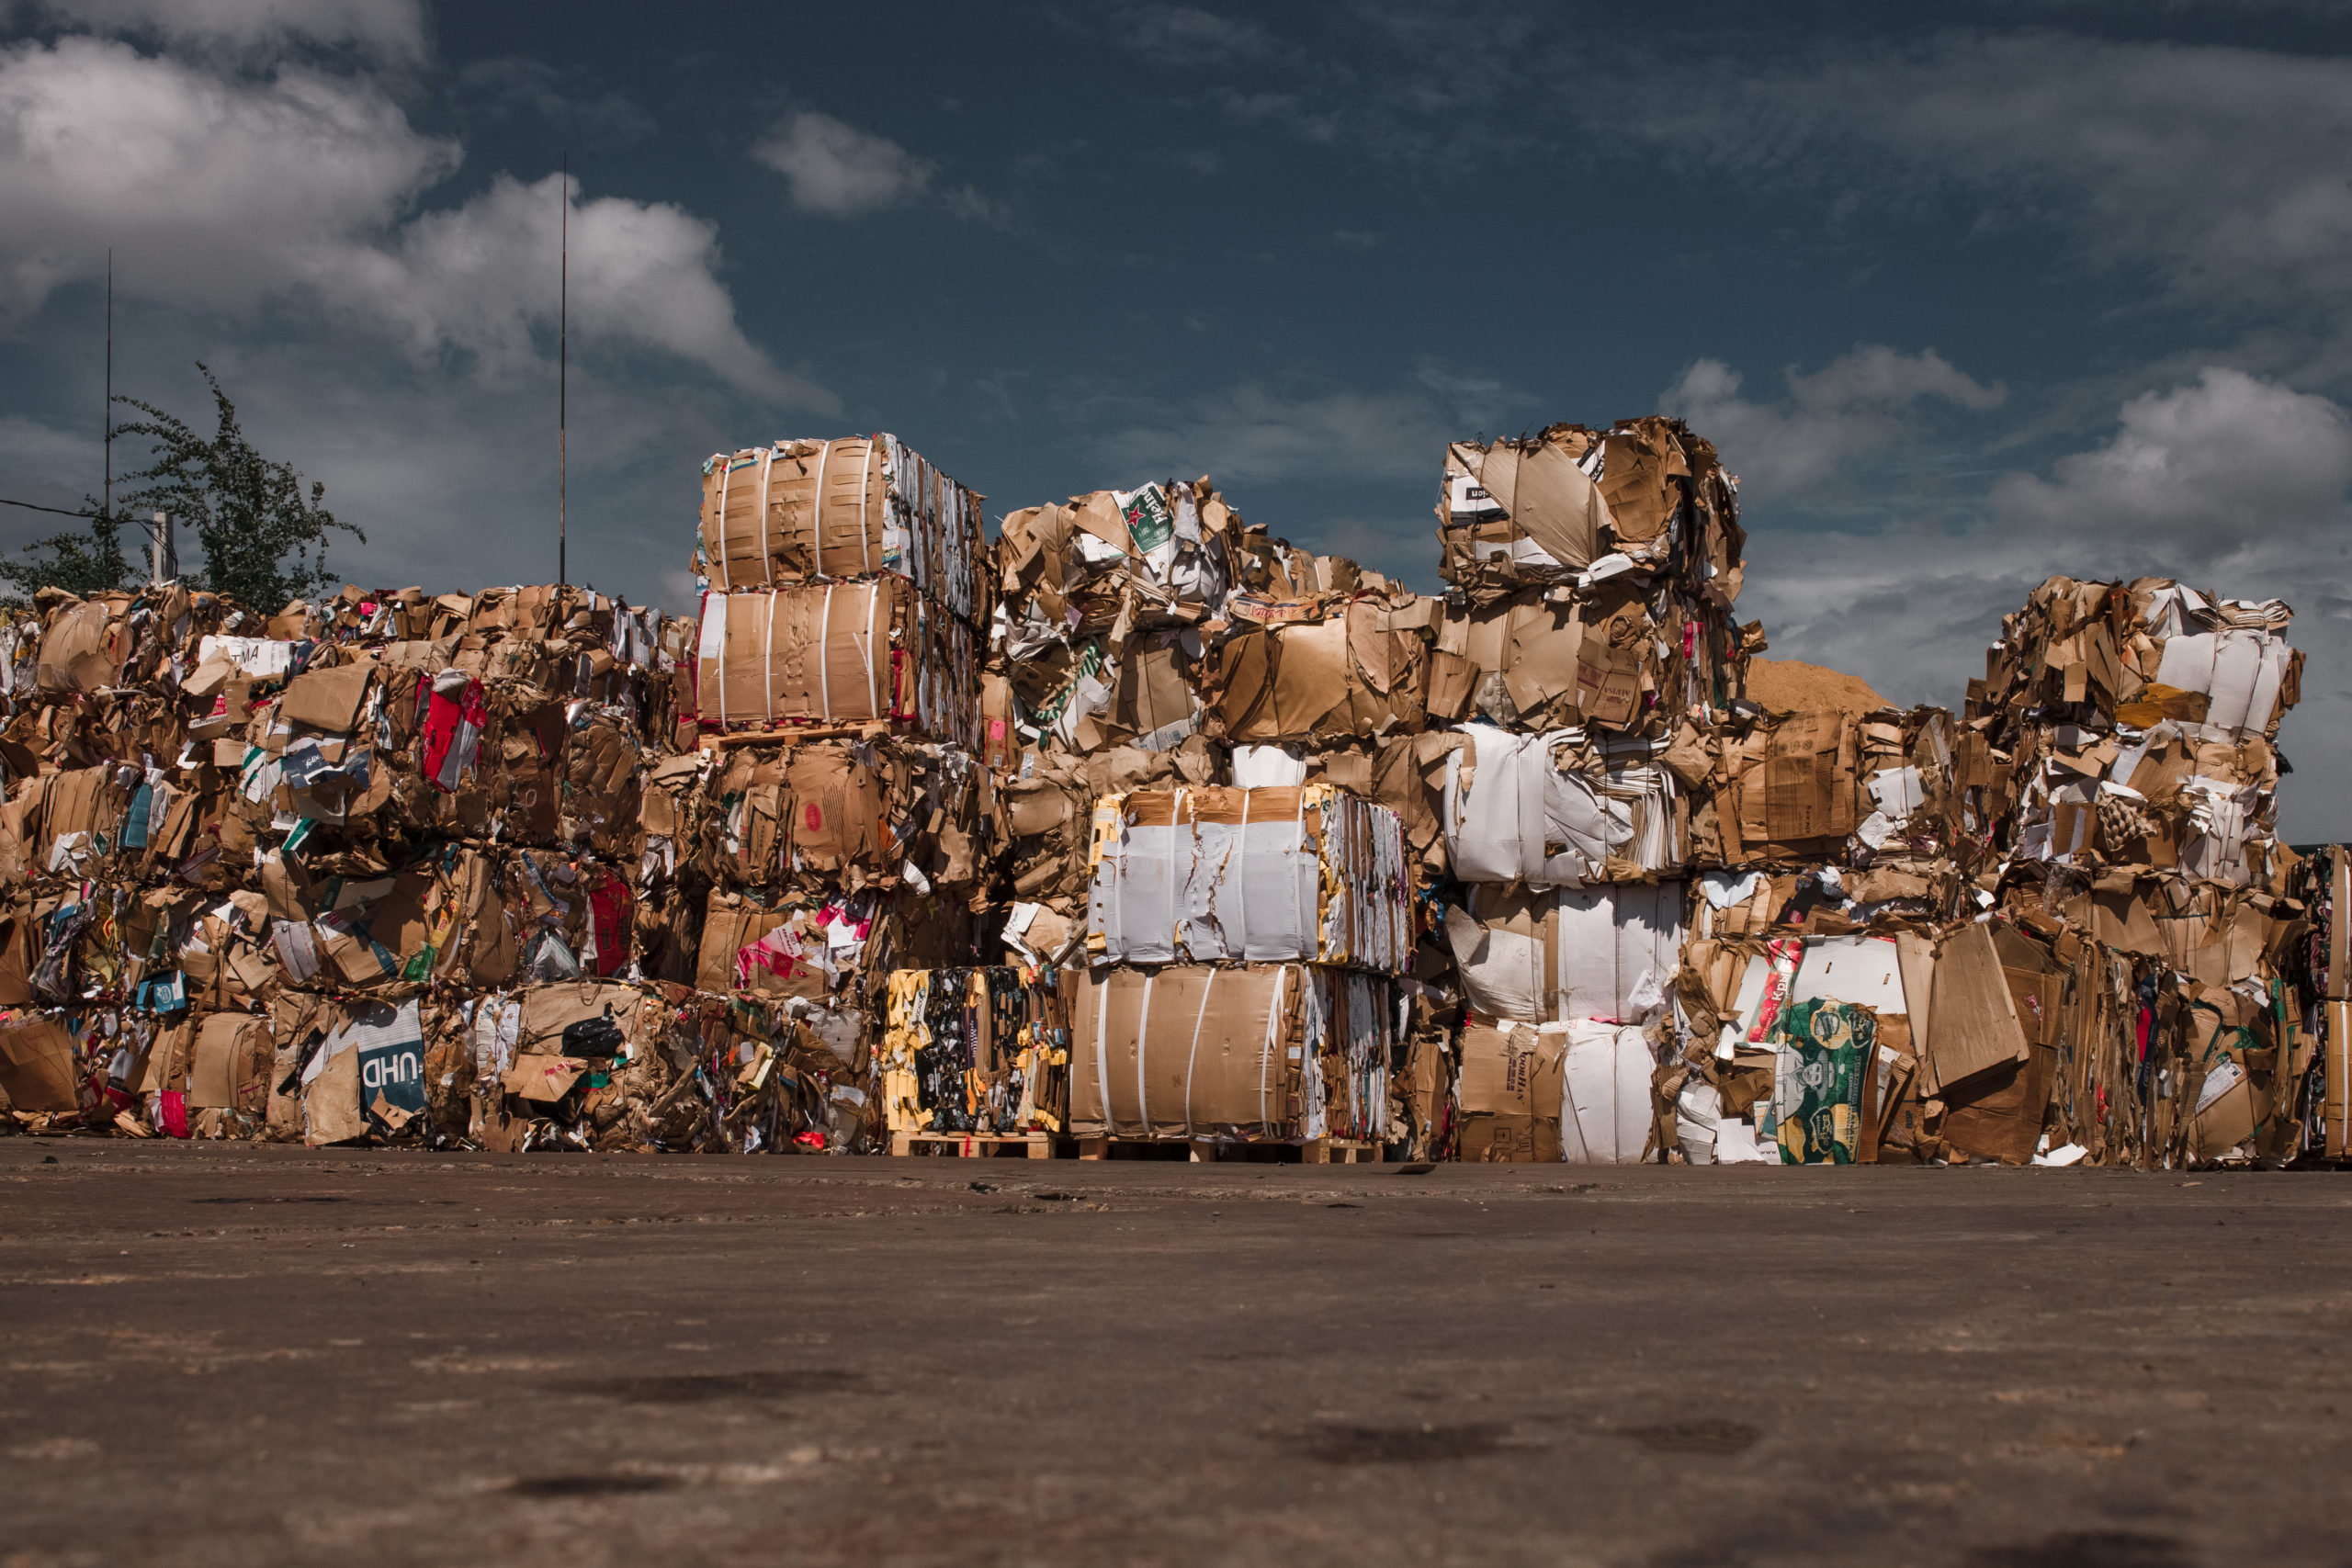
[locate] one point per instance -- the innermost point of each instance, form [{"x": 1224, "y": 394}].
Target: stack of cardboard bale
[
  {"x": 262, "y": 866},
  {"x": 1162, "y": 673},
  {"x": 2128, "y": 776},
  {"x": 2057, "y": 930},
  {"x": 846, "y": 579},
  {"x": 1226, "y": 843},
  {"x": 834, "y": 827},
  {"x": 1243, "y": 943},
  {"x": 2317, "y": 961},
  {"x": 1589, "y": 643},
  {"x": 977, "y": 1052}
]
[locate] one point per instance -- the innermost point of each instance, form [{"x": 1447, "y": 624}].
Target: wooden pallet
[
  {"x": 975, "y": 1145},
  {"x": 1202, "y": 1151}
]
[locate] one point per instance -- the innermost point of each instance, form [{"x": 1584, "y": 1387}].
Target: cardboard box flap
[
  {"x": 1544, "y": 491},
  {"x": 327, "y": 699},
  {"x": 1975, "y": 1027},
  {"x": 39, "y": 1068}
]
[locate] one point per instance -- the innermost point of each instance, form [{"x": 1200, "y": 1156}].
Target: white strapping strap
[
  {"x": 1192, "y": 1054},
  {"x": 1143, "y": 1035},
  {"x": 718, "y": 535},
  {"x": 864, "y": 480},
  {"x": 1241, "y": 885},
  {"x": 718, "y": 653},
  {"x": 767, "y": 554},
  {"x": 861, "y": 637},
  {"x": 1266, "y": 1056},
  {"x": 1176, "y": 820},
  {"x": 824, "y": 679},
  {"x": 817, "y": 517},
  {"x": 1102, "y": 1048}
]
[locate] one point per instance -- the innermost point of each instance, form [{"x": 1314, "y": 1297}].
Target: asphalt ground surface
[{"x": 222, "y": 1354}]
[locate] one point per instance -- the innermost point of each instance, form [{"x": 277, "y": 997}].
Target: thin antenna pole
[
  {"x": 108, "y": 431},
  {"x": 563, "y": 374}
]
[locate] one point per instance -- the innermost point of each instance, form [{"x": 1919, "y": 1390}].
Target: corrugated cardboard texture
[
  {"x": 841, "y": 508},
  {"x": 1361, "y": 671},
  {"x": 1974, "y": 1020},
  {"x": 838, "y": 653},
  {"x": 1182, "y": 1052},
  {"x": 1510, "y": 1092},
  {"x": 37, "y": 1065}
]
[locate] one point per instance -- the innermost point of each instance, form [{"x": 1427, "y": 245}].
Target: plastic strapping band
[
  {"x": 1175, "y": 821},
  {"x": 1192, "y": 1054},
  {"x": 1273, "y": 1023},
  {"x": 1143, "y": 1037},
  {"x": 723, "y": 629},
  {"x": 1242, "y": 884},
  {"x": 864, "y": 639},
  {"x": 824, "y": 675},
  {"x": 1103, "y": 1049},
  {"x": 718, "y": 534},
  {"x": 817, "y": 517},
  {"x": 767, "y": 551},
  {"x": 864, "y": 482}
]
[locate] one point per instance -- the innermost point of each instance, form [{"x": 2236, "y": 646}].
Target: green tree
[
  {"x": 82, "y": 564},
  {"x": 265, "y": 541}
]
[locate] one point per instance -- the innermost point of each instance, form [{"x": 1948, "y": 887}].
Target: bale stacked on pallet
[
  {"x": 1282, "y": 916},
  {"x": 1262, "y": 1052},
  {"x": 846, "y": 582},
  {"x": 1125, "y": 614},
  {"x": 1219, "y": 876},
  {"x": 1595, "y": 574},
  {"x": 840, "y": 826},
  {"x": 837, "y": 653},
  {"x": 818, "y": 510},
  {"x": 976, "y": 1050}
]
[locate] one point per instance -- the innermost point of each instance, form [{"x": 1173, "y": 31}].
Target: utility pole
[
  {"x": 562, "y": 370},
  {"x": 107, "y": 431},
  {"x": 163, "y": 556}
]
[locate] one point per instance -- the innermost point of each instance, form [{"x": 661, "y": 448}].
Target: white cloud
[
  {"x": 837, "y": 170},
  {"x": 1857, "y": 404},
  {"x": 213, "y": 188},
  {"x": 480, "y": 278},
  {"x": 230, "y": 190},
  {"x": 2222, "y": 466},
  {"x": 2229, "y": 483},
  {"x": 395, "y": 28}
]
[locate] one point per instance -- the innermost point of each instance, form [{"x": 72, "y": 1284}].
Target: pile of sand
[{"x": 1790, "y": 685}]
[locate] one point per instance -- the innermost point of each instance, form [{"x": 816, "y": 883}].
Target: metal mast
[{"x": 562, "y": 373}]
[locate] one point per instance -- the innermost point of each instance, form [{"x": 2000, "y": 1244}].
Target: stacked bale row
[{"x": 1143, "y": 826}]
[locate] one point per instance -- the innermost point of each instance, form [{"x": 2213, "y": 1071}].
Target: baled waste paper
[{"x": 1141, "y": 830}]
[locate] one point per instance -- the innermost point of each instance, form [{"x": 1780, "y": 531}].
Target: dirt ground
[{"x": 220, "y": 1354}]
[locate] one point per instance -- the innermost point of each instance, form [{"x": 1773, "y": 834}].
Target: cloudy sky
[{"x": 1964, "y": 299}]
